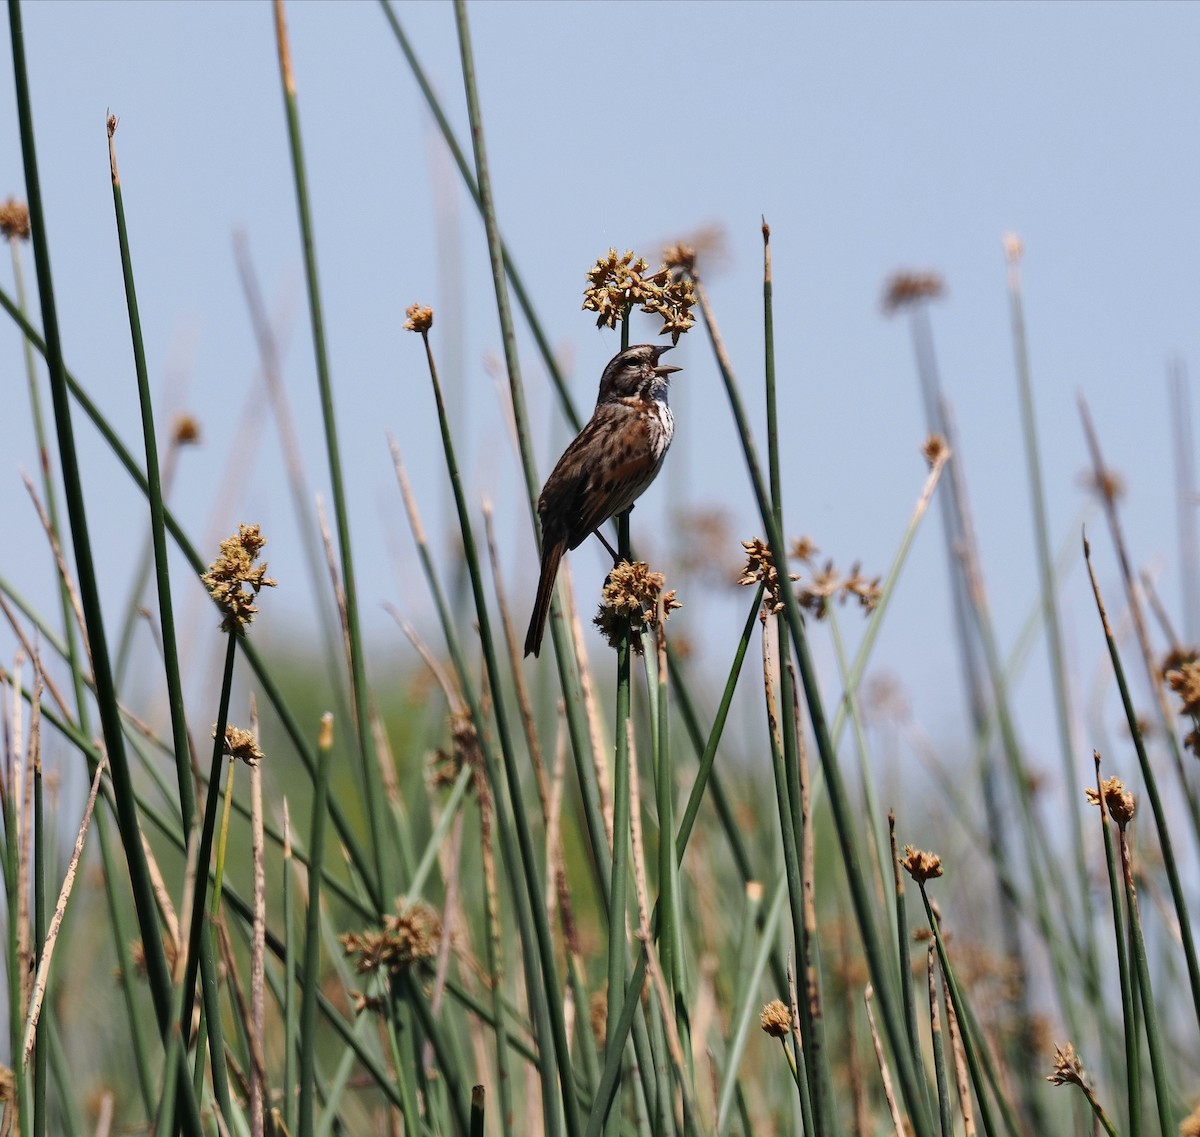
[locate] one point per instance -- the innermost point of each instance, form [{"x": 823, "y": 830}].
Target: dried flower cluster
[
  {"x": 1067, "y": 1067},
  {"x": 1106, "y": 484},
  {"x": 630, "y": 602},
  {"x": 185, "y": 430},
  {"x": 413, "y": 934},
  {"x": 903, "y": 289},
  {"x": 1181, "y": 670},
  {"x": 934, "y": 448},
  {"x": 803, "y": 549},
  {"x": 920, "y": 865},
  {"x": 1014, "y": 248},
  {"x": 241, "y": 744},
  {"x": 618, "y": 281},
  {"x": 233, "y": 581},
  {"x": 14, "y": 220},
  {"x": 828, "y": 584},
  {"x": 776, "y": 1019},
  {"x": 420, "y": 319},
  {"x": 1118, "y": 800},
  {"x": 598, "y": 1016},
  {"x": 1190, "y": 1125},
  {"x": 464, "y": 751},
  {"x": 137, "y": 956},
  {"x": 760, "y": 568}
]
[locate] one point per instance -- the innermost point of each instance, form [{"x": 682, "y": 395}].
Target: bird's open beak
[{"x": 665, "y": 368}]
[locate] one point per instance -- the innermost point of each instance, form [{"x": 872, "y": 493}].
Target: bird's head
[{"x": 636, "y": 372}]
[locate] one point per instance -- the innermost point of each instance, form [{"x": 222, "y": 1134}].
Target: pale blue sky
[{"x": 873, "y": 137}]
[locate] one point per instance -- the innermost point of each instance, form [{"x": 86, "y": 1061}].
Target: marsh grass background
[{"x": 400, "y": 917}]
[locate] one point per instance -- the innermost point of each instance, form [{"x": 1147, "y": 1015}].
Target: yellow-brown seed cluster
[
  {"x": 828, "y": 584},
  {"x": 618, "y": 281},
  {"x": 1106, "y": 484},
  {"x": 420, "y": 319},
  {"x": 14, "y": 220},
  {"x": 933, "y": 449},
  {"x": 903, "y": 289},
  {"x": 1181, "y": 670},
  {"x": 137, "y": 956},
  {"x": 1118, "y": 800},
  {"x": 240, "y": 744},
  {"x": 185, "y": 430},
  {"x": 598, "y": 1016},
  {"x": 413, "y": 934},
  {"x": 1190, "y": 1125},
  {"x": 760, "y": 567},
  {"x": 630, "y": 603},
  {"x": 920, "y": 865},
  {"x": 233, "y": 580},
  {"x": 448, "y": 764},
  {"x": 1067, "y": 1067},
  {"x": 776, "y": 1019}
]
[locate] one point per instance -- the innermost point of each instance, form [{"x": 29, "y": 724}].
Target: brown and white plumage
[{"x": 607, "y": 467}]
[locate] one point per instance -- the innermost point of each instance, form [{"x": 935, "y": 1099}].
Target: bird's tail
[{"x": 551, "y": 554}]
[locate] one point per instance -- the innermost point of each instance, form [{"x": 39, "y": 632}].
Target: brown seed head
[
  {"x": 14, "y": 220},
  {"x": 598, "y": 1016},
  {"x": 234, "y": 581},
  {"x": 419, "y": 319},
  {"x": 803, "y": 549},
  {"x": 933, "y": 448},
  {"x": 240, "y": 744},
  {"x": 1067, "y": 1067},
  {"x": 618, "y": 281},
  {"x": 185, "y": 430},
  {"x": 760, "y": 566},
  {"x": 904, "y": 289},
  {"x": 1107, "y": 485},
  {"x": 411, "y": 935},
  {"x": 921, "y": 866},
  {"x": 776, "y": 1019},
  {"x": 1118, "y": 800},
  {"x": 1190, "y": 1125},
  {"x": 630, "y": 602}
]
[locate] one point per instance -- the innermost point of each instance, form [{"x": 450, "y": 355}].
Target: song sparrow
[{"x": 608, "y": 466}]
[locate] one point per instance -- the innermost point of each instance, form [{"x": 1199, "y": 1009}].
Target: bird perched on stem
[{"x": 608, "y": 466}]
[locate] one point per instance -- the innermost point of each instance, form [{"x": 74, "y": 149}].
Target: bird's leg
[{"x": 604, "y": 541}]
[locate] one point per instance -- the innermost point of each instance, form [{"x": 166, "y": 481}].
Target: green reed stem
[
  {"x": 1151, "y": 785},
  {"x": 945, "y": 1114},
  {"x": 200, "y": 952},
  {"x": 618, "y": 897},
  {"x": 971, "y": 1044},
  {"x": 882, "y": 973},
  {"x": 1051, "y": 619},
  {"x": 544, "y": 992},
  {"x": 42, "y": 1048},
  {"x": 1133, "y": 1064},
  {"x": 1158, "y": 1069},
  {"x": 291, "y": 1034},
  {"x": 805, "y": 1071},
  {"x": 200, "y": 947},
  {"x": 817, "y": 1110},
  {"x": 156, "y": 965},
  {"x": 179, "y": 738},
  {"x": 372, "y": 777},
  {"x": 312, "y": 934}
]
